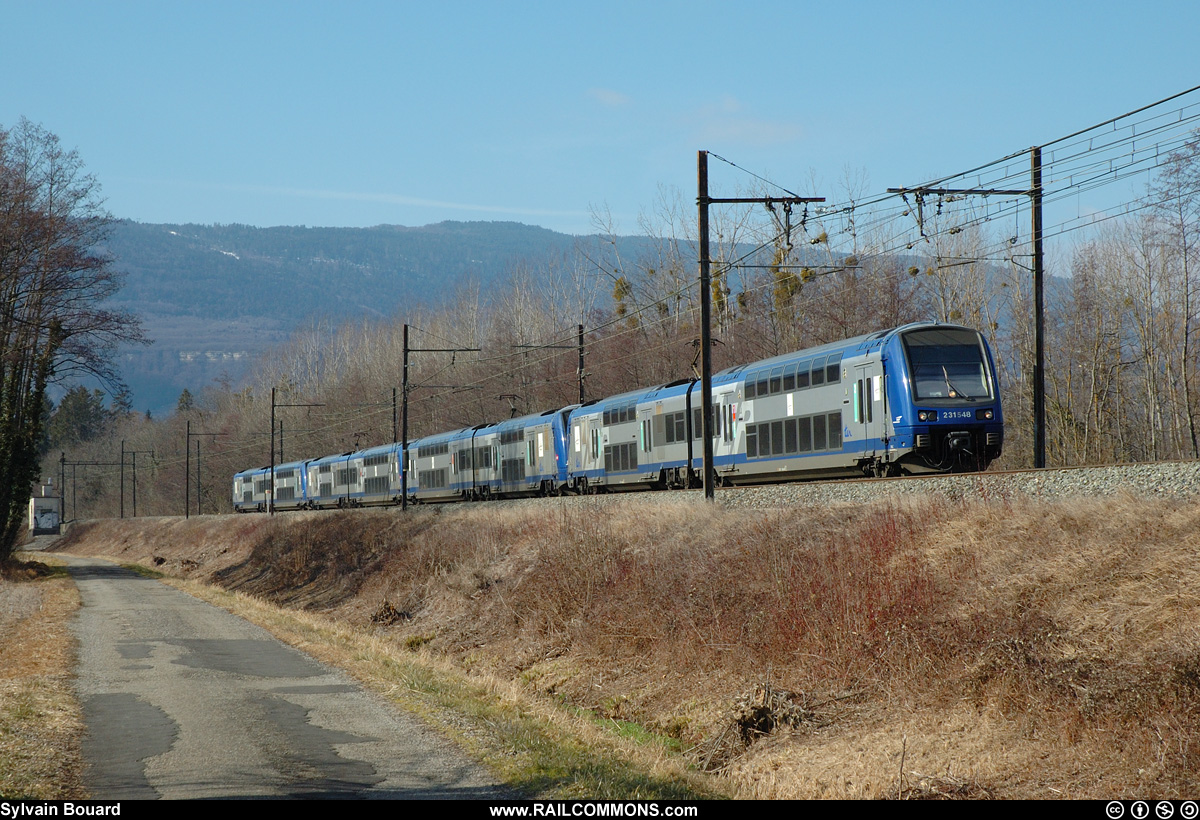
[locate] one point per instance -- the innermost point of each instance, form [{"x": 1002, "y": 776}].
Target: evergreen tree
[{"x": 80, "y": 416}]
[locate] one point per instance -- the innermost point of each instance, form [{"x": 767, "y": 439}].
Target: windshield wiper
[{"x": 955, "y": 393}]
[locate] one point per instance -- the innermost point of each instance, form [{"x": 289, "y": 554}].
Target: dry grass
[
  {"x": 40, "y": 723},
  {"x": 927, "y": 648}
]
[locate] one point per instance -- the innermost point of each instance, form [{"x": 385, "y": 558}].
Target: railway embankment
[{"x": 996, "y": 642}]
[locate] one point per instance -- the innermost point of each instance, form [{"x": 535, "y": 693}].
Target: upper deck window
[{"x": 947, "y": 363}]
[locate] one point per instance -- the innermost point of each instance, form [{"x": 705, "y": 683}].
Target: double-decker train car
[
  {"x": 250, "y": 490},
  {"x": 916, "y": 399},
  {"x": 531, "y": 454},
  {"x": 380, "y": 467},
  {"x": 291, "y": 490},
  {"x": 434, "y": 472},
  {"x": 921, "y": 398}
]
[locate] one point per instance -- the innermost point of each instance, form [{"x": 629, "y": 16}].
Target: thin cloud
[
  {"x": 608, "y": 97},
  {"x": 728, "y": 120},
  {"x": 367, "y": 196}
]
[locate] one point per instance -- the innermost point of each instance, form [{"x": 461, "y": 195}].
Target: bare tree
[{"x": 53, "y": 281}]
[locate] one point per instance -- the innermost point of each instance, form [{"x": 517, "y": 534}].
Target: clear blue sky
[{"x": 365, "y": 113}]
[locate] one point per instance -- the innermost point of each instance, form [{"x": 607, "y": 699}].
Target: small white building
[{"x": 45, "y": 511}]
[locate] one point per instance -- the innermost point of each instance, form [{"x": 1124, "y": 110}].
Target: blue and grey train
[{"x": 921, "y": 398}]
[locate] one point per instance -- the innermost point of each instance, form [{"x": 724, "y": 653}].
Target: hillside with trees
[{"x": 214, "y": 298}]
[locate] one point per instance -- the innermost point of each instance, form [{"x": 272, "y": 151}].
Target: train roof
[
  {"x": 533, "y": 418},
  {"x": 331, "y": 459},
  {"x": 449, "y": 435},
  {"x": 377, "y": 449},
  {"x": 856, "y": 344}
]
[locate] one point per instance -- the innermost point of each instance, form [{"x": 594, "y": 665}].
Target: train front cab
[{"x": 944, "y": 400}]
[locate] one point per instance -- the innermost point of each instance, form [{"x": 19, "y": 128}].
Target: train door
[
  {"x": 868, "y": 416},
  {"x": 725, "y": 425}
]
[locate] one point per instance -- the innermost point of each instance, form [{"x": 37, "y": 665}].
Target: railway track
[{"x": 1166, "y": 479}]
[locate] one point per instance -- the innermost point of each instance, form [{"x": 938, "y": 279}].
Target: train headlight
[
  {"x": 926, "y": 415},
  {"x": 985, "y": 415}
]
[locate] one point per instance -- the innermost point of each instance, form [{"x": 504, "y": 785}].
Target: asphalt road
[{"x": 183, "y": 700}]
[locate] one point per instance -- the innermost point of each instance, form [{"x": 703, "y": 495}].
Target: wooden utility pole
[
  {"x": 187, "y": 466},
  {"x": 134, "y": 453},
  {"x": 404, "y": 412},
  {"x": 577, "y": 346},
  {"x": 404, "y": 427},
  {"x": 1034, "y": 192},
  {"x": 1039, "y": 324},
  {"x": 271, "y": 486},
  {"x": 580, "y": 339},
  {"x": 703, "y": 200}
]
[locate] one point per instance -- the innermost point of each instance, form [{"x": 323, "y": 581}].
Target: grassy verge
[{"x": 40, "y": 720}]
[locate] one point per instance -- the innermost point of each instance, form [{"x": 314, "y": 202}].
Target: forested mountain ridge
[
  {"x": 226, "y": 271},
  {"x": 215, "y": 297}
]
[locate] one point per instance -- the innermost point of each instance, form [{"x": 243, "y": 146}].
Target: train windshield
[{"x": 947, "y": 363}]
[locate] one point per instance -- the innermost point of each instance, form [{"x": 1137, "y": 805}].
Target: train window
[
  {"x": 789, "y": 436},
  {"x": 763, "y": 386},
  {"x": 677, "y": 428},
  {"x": 776, "y": 380},
  {"x": 750, "y": 387},
  {"x": 752, "y": 441},
  {"x": 835, "y": 431},
  {"x": 620, "y": 458},
  {"x": 777, "y": 438},
  {"x": 802, "y": 375},
  {"x": 789, "y": 378},
  {"x": 833, "y": 369},
  {"x": 818, "y": 372},
  {"x": 947, "y": 363},
  {"x": 764, "y": 440},
  {"x": 858, "y": 397},
  {"x": 717, "y": 429},
  {"x": 818, "y": 438}
]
